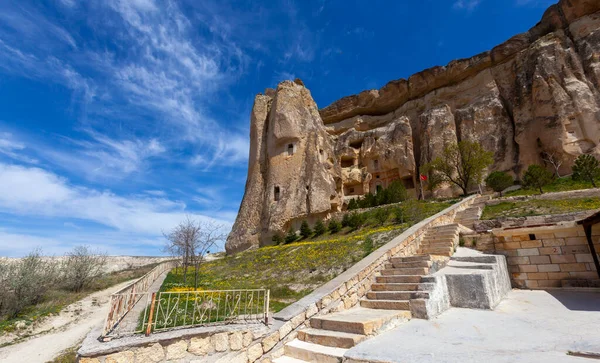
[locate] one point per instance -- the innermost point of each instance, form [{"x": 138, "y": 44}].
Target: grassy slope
[
  {"x": 57, "y": 299},
  {"x": 539, "y": 207},
  {"x": 559, "y": 185},
  {"x": 294, "y": 270}
]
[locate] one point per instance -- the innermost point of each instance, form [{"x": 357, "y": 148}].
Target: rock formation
[{"x": 539, "y": 91}]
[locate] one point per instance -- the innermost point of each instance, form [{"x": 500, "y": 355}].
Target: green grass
[
  {"x": 536, "y": 207},
  {"x": 559, "y": 185},
  {"x": 294, "y": 270},
  {"x": 57, "y": 299},
  {"x": 68, "y": 356}
]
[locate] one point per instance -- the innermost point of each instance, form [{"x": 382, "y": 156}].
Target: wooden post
[{"x": 149, "y": 327}]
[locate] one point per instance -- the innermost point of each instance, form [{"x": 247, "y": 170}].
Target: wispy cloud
[
  {"x": 37, "y": 192},
  {"x": 468, "y": 5},
  {"x": 12, "y": 148}
]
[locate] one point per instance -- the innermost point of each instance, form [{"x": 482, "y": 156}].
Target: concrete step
[
  {"x": 409, "y": 264},
  {"x": 398, "y": 279},
  {"x": 330, "y": 338},
  {"x": 397, "y": 295},
  {"x": 313, "y": 352},
  {"x": 385, "y": 304},
  {"x": 445, "y": 237},
  {"x": 402, "y": 286},
  {"x": 441, "y": 251},
  {"x": 358, "y": 320},
  {"x": 405, "y": 271},
  {"x": 286, "y": 359},
  {"x": 410, "y": 259},
  {"x": 438, "y": 244}
]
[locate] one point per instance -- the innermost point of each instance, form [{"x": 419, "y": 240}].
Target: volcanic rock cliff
[{"x": 539, "y": 91}]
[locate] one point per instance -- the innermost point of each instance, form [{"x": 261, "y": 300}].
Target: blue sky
[{"x": 119, "y": 117}]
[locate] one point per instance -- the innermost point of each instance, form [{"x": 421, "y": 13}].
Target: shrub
[
  {"x": 368, "y": 246},
  {"x": 25, "y": 282},
  {"x": 413, "y": 211},
  {"x": 319, "y": 228},
  {"x": 399, "y": 215},
  {"x": 353, "y": 204},
  {"x": 357, "y": 220},
  {"x": 499, "y": 181},
  {"x": 346, "y": 220},
  {"x": 334, "y": 226},
  {"x": 305, "y": 230},
  {"x": 382, "y": 215},
  {"x": 537, "y": 176},
  {"x": 80, "y": 267},
  {"x": 277, "y": 239},
  {"x": 291, "y": 236},
  {"x": 586, "y": 168}
]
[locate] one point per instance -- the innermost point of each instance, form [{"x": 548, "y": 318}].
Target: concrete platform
[{"x": 527, "y": 326}]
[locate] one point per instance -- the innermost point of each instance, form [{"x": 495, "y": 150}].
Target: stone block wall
[
  {"x": 221, "y": 347},
  {"x": 343, "y": 292},
  {"x": 551, "y": 256}
]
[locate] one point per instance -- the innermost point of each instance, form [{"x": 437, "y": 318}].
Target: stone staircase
[
  {"x": 472, "y": 214},
  {"x": 387, "y": 304},
  {"x": 440, "y": 240}
]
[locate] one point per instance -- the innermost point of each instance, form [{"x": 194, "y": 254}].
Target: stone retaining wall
[
  {"x": 341, "y": 293},
  {"x": 548, "y": 256}
]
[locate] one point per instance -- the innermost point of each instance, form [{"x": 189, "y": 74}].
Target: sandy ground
[{"x": 62, "y": 331}]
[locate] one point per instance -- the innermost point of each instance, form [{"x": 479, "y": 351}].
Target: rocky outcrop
[{"x": 538, "y": 91}]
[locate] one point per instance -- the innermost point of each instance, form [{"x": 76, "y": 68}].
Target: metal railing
[
  {"x": 125, "y": 299},
  {"x": 169, "y": 310},
  {"x": 160, "y": 311}
]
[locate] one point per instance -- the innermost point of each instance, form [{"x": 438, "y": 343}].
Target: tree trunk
[
  {"x": 541, "y": 191},
  {"x": 593, "y": 183}
]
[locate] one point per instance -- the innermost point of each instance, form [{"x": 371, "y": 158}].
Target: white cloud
[
  {"x": 468, "y": 5},
  {"x": 13, "y": 148},
  {"x": 36, "y": 192}
]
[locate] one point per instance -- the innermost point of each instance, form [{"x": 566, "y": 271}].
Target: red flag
[{"x": 424, "y": 177}]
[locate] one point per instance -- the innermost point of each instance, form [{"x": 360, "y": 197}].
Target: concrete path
[
  {"x": 62, "y": 333},
  {"x": 130, "y": 322},
  {"x": 528, "y": 326}
]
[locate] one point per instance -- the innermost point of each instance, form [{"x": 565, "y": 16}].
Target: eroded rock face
[{"x": 538, "y": 91}]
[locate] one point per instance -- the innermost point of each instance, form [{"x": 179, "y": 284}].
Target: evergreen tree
[
  {"x": 537, "y": 176},
  {"x": 586, "y": 168},
  {"x": 334, "y": 226},
  {"x": 291, "y": 236},
  {"x": 346, "y": 220},
  {"x": 319, "y": 228},
  {"x": 499, "y": 181},
  {"x": 277, "y": 239},
  {"x": 305, "y": 230}
]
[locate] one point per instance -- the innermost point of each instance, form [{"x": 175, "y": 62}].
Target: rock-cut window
[
  {"x": 277, "y": 194},
  {"x": 290, "y": 149}
]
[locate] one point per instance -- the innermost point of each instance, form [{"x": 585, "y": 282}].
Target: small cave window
[
  {"x": 532, "y": 237},
  {"x": 356, "y": 144},
  {"x": 290, "y": 149},
  {"x": 346, "y": 163},
  {"x": 351, "y": 190},
  {"x": 376, "y": 176},
  {"x": 277, "y": 194},
  {"x": 376, "y": 164}
]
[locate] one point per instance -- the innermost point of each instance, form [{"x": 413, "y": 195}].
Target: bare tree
[
  {"x": 554, "y": 158},
  {"x": 191, "y": 240},
  {"x": 81, "y": 266}
]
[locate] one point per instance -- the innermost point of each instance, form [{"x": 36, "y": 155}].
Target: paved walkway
[
  {"x": 130, "y": 322},
  {"x": 528, "y": 326}
]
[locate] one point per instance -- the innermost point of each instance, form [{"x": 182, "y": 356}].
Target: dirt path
[{"x": 63, "y": 331}]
